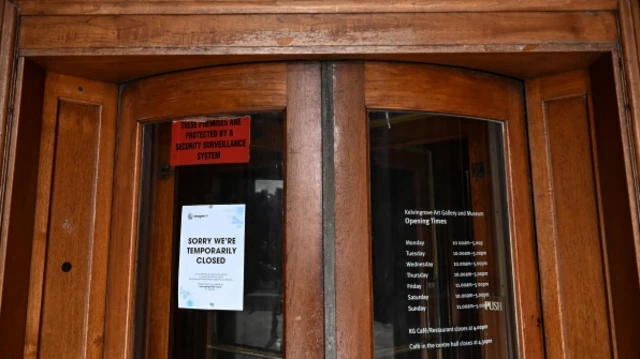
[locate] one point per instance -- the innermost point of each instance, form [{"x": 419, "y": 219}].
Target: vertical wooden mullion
[
  {"x": 159, "y": 251},
  {"x": 2, "y": 4},
  {"x": 613, "y": 157},
  {"x": 629, "y": 109},
  {"x": 354, "y": 305},
  {"x": 8, "y": 26},
  {"x": 19, "y": 206},
  {"x": 523, "y": 248},
  {"x": 303, "y": 260},
  {"x": 41, "y": 222},
  {"x": 119, "y": 321},
  {"x": 628, "y": 73}
]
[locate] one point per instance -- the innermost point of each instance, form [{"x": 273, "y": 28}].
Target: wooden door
[
  {"x": 279, "y": 183},
  {"x": 434, "y": 245},
  {"x": 388, "y": 215},
  {"x": 386, "y": 206},
  {"x": 391, "y": 220}
]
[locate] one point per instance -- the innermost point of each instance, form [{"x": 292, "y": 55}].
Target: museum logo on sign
[{"x": 197, "y": 216}]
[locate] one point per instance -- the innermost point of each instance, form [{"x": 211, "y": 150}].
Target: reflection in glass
[
  {"x": 440, "y": 237},
  {"x": 255, "y": 332}
]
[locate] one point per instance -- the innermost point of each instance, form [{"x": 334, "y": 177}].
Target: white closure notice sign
[{"x": 211, "y": 269}]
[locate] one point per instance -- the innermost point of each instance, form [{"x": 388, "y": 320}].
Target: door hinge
[
  {"x": 165, "y": 171},
  {"x": 479, "y": 170}
]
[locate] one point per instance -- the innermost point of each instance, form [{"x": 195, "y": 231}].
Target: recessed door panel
[{"x": 67, "y": 284}]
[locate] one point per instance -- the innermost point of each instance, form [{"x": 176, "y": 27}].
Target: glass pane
[
  {"x": 440, "y": 237},
  {"x": 256, "y": 331}
]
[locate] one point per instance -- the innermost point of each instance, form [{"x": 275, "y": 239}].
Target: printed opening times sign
[{"x": 210, "y": 140}]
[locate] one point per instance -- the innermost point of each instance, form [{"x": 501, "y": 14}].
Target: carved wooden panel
[
  {"x": 572, "y": 272},
  {"x": 71, "y": 231}
]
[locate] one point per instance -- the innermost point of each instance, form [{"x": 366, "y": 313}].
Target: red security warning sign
[{"x": 210, "y": 140}]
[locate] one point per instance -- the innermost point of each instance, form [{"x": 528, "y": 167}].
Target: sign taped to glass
[
  {"x": 210, "y": 140},
  {"x": 211, "y": 267}
]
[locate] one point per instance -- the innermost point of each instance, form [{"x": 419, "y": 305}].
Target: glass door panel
[
  {"x": 440, "y": 237},
  {"x": 256, "y": 330}
]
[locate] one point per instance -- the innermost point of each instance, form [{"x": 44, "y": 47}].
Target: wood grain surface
[
  {"x": 353, "y": 276},
  {"x": 616, "y": 208},
  {"x": 304, "y": 31},
  {"x": 8, "y": 29},
  {"x": 436, "y": 88},
  {"x": 157, "y": 256},
  {"x": 215, "y": 90},
  {"x": 574, "y": 294},
  {"x": 517, "y": 64},
  {"x": 118, "y": 7},
  {"x": 23, "y": 142},
  {"x": 73, "y": 210},
  {"x": 627, "y": 75},
  {"x": 304, "y": 300}
]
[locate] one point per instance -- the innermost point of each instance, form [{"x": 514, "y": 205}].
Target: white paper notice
[{"x": 211, "y": 271}]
